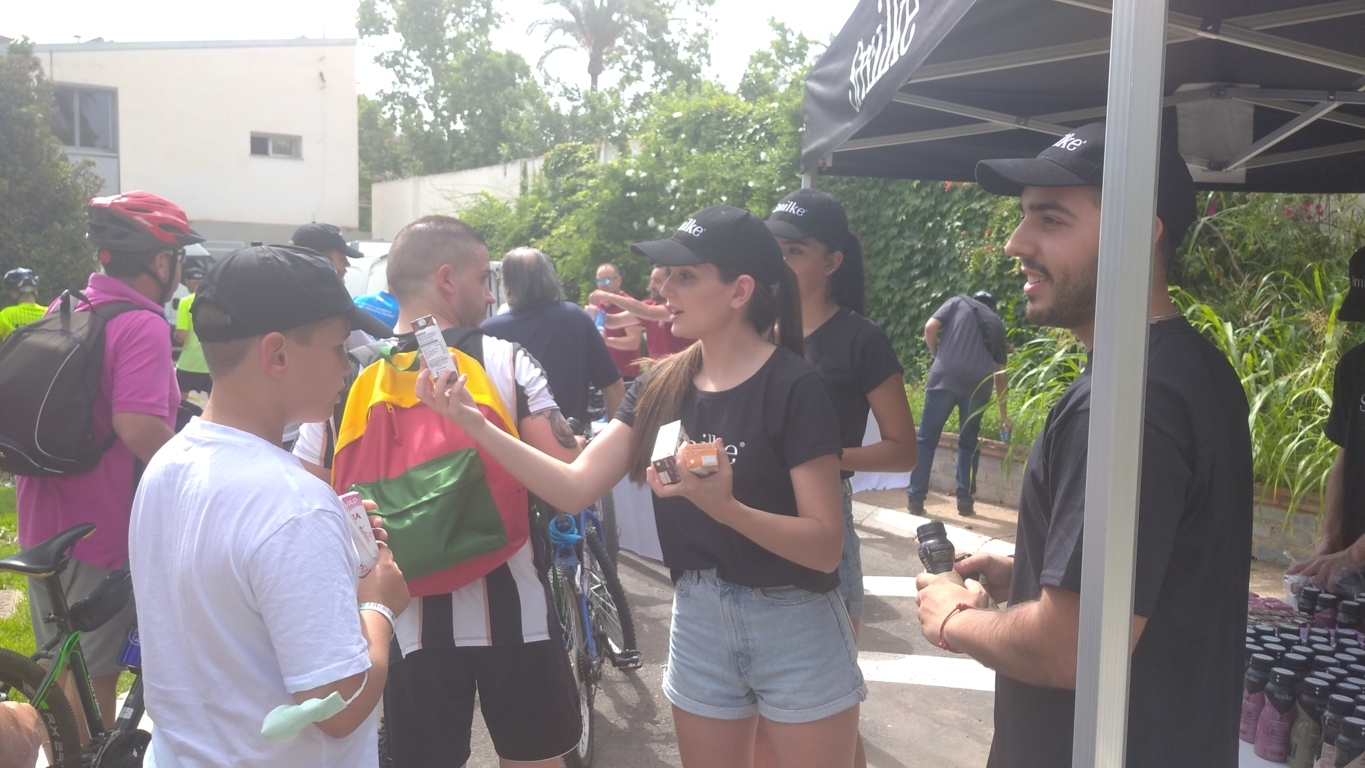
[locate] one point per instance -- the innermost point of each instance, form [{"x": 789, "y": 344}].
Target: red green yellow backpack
[{"x": 452, "y": 513}]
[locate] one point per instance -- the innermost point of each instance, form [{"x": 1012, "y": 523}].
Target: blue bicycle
[{"x": 592, "y": 610}]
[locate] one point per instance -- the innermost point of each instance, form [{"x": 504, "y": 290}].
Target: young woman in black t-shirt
[
  {"x": 758, "y": 631},
  {"x": 856, "y": 358}
]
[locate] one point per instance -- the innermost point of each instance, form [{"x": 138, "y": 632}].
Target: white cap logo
[
  {"x": 1070, "y": 143},
  {"x": 692, "y": 228},
  {"x": 790, "y": 207}
]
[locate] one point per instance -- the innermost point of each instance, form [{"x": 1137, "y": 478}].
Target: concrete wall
[
  {"x": 1277, "y": 535},
  {"x": 186, "y": 112},
  {"x": 395, "y": 203}
]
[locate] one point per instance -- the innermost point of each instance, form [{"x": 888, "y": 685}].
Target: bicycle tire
[
  {"x": 614, "y": 602},
  {"x": 576, "y": 643},
  {"x": 610, "y": 529},
  {"x": 19, "y": 673}
]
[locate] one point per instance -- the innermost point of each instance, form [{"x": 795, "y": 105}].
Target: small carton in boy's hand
[
  {"x": 664, "y": 459},
  {"x": 701, "y": 459},
  {"x": 362, "y": 534},
  {"x": 432, "y": 345}
]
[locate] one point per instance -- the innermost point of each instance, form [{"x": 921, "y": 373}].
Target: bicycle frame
[
  {"x": 64, "y": 651},
  {"x": 571, "y": 557}
]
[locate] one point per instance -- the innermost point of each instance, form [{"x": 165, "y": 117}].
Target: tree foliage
[
  {"x": 42, "y": 196},
  {"x": 456, "y": 102}
]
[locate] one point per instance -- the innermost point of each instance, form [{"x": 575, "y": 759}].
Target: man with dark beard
[{"x": 1194, "y": 516}]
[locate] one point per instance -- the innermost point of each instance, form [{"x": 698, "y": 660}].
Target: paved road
[{"x": 926, "y": 708}]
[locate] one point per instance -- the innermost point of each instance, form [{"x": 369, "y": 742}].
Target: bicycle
[
  {"x": 24, "y": 679},
  {"x": 593, "y": 612}
]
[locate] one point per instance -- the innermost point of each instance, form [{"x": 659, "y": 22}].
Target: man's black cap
[
  {"x": 1353, "y": 308},
  {"x": 269, "y": 288},
  {"x": 810, "y": 213},
  {"x": 722, "y": 235},
  {"x": 323, "y": 238},
  {"x": 1077, "y": 159}
]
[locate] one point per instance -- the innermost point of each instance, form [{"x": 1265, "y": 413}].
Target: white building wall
[
  {"x": 186, "y": 112},
  {"x": 395, "y": 203}
]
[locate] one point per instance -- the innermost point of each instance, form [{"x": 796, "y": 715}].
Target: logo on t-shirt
[{"x": 730, "y": 450}]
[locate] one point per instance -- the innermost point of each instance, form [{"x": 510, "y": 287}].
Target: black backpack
[{"x": 49, "y": 382}]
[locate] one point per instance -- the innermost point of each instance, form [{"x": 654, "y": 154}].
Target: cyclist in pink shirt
[{"x": 141, "y": 240}]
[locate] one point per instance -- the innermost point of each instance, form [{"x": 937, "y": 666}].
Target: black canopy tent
[
  {"x": 1287, "y": 76},
  {"x": 1262, "y": 96}
]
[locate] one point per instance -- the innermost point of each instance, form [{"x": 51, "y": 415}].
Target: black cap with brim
[
  {"x": 788, "y": 230},
  {"x": 323, "y": 238},
  {"x": 275, "y": 288},
  {"x": 1353, "y": 307},
  {"x": 722, "y": 235},
  {"x": 1008, "y": 178}
]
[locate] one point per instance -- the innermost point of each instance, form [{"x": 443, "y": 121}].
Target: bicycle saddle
[{"x": 49, "y": 557}]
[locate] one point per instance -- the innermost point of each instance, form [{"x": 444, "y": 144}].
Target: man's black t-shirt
[
  {"x": 855, "y": 357},
  {"x": 1346, "y": 428},
  {"x": 1193, "y": 563},
  {"x": 563, "y": 339},
  {"x": 780, "y": 418}
]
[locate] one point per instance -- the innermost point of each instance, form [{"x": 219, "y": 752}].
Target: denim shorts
[
  {"x": 782, "y": 652},
  {"x": 851, "y": 564}
]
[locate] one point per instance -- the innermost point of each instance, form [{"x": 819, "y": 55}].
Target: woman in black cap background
[
  {"x": 759, "y": 632},
  {"x": 856, "y": 358}
]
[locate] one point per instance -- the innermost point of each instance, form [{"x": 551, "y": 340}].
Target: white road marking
[
  {"x": 961, "y": 673},
  {"x": 890, "y": 586}
]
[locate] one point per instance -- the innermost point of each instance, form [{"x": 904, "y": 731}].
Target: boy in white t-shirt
[{"x": 243, "y": 563}]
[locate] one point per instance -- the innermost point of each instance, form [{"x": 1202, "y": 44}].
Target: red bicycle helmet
[{"x": 138, "y": 221}]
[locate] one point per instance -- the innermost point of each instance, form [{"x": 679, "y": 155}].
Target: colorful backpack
[{"x": 451, "y": 512}]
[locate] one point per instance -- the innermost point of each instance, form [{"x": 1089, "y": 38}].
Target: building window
[
  {"x": 86, "y": 118},
  {"x": 275, "y": 145}
]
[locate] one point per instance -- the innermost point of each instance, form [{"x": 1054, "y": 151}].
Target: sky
[{"x": 738, "y": 27}]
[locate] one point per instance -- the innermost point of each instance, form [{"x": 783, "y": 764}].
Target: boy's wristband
[{"x": 382, "y": 610}]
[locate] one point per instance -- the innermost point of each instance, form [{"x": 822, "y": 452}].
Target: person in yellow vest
[
  {"x": 191, "y": 370},
  {"x": 22, "y": 285}
]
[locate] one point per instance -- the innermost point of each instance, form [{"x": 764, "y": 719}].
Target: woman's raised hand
[{"x": 448, "y": 396}]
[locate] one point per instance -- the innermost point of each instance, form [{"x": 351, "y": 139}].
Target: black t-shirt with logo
[
  {"x": 781, "y": 417},
  {"x": 1192, "y": 567},
  {"x": 1346, "y": 428},
  {"x": 855, "y": 357}
]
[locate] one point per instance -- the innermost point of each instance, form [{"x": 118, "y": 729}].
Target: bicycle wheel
[
  {"x": 576, "y": 642},
  {"x": 610, "y": 530},
  {"x": 611, "y": 612},
  {"x": 19, "y": 680}
]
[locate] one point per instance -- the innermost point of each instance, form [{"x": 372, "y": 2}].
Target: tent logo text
[{"x": 889, "y": 42}]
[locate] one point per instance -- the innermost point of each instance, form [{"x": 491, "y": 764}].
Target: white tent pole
[{"x": 1118, "y": 385}]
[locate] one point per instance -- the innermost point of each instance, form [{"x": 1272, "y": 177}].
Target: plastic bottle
[
  {"x": 1338, "y": 709},
  {"x": 600, "y": 321},
  {"x": 1350, "y": 743},
  {"x": 1253, "y": 695},
  {"x": 1326, "y": 616},
  {"x": 1277, "y": 716},
  {"x": 1306, "y": 734},
  {"x": 1348, "y": 615},
  {"x": 1308, "y": 600}
]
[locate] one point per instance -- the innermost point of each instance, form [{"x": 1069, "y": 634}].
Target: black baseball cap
[
  {"x": 268, "y": 288},
  {"x": 722, "y": 235},
  {"x": 1353, "y": 308},
  {"x": 1077, "y": 159},
  {"x": 810, "y": 213},
  {"x": 323, "y": 238}
]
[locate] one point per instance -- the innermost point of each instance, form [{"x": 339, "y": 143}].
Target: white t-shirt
[{"x": 245, "y": 577}]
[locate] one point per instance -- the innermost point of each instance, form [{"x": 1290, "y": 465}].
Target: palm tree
[{"x": 597, "y": 27}]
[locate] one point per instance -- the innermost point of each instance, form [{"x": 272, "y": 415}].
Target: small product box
[
  {"x": 664, "y": 458},
  {"x": 432, "y": 346},
  {"x": 701, "y": 459},
  {"x": 362, "y": 535}
]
